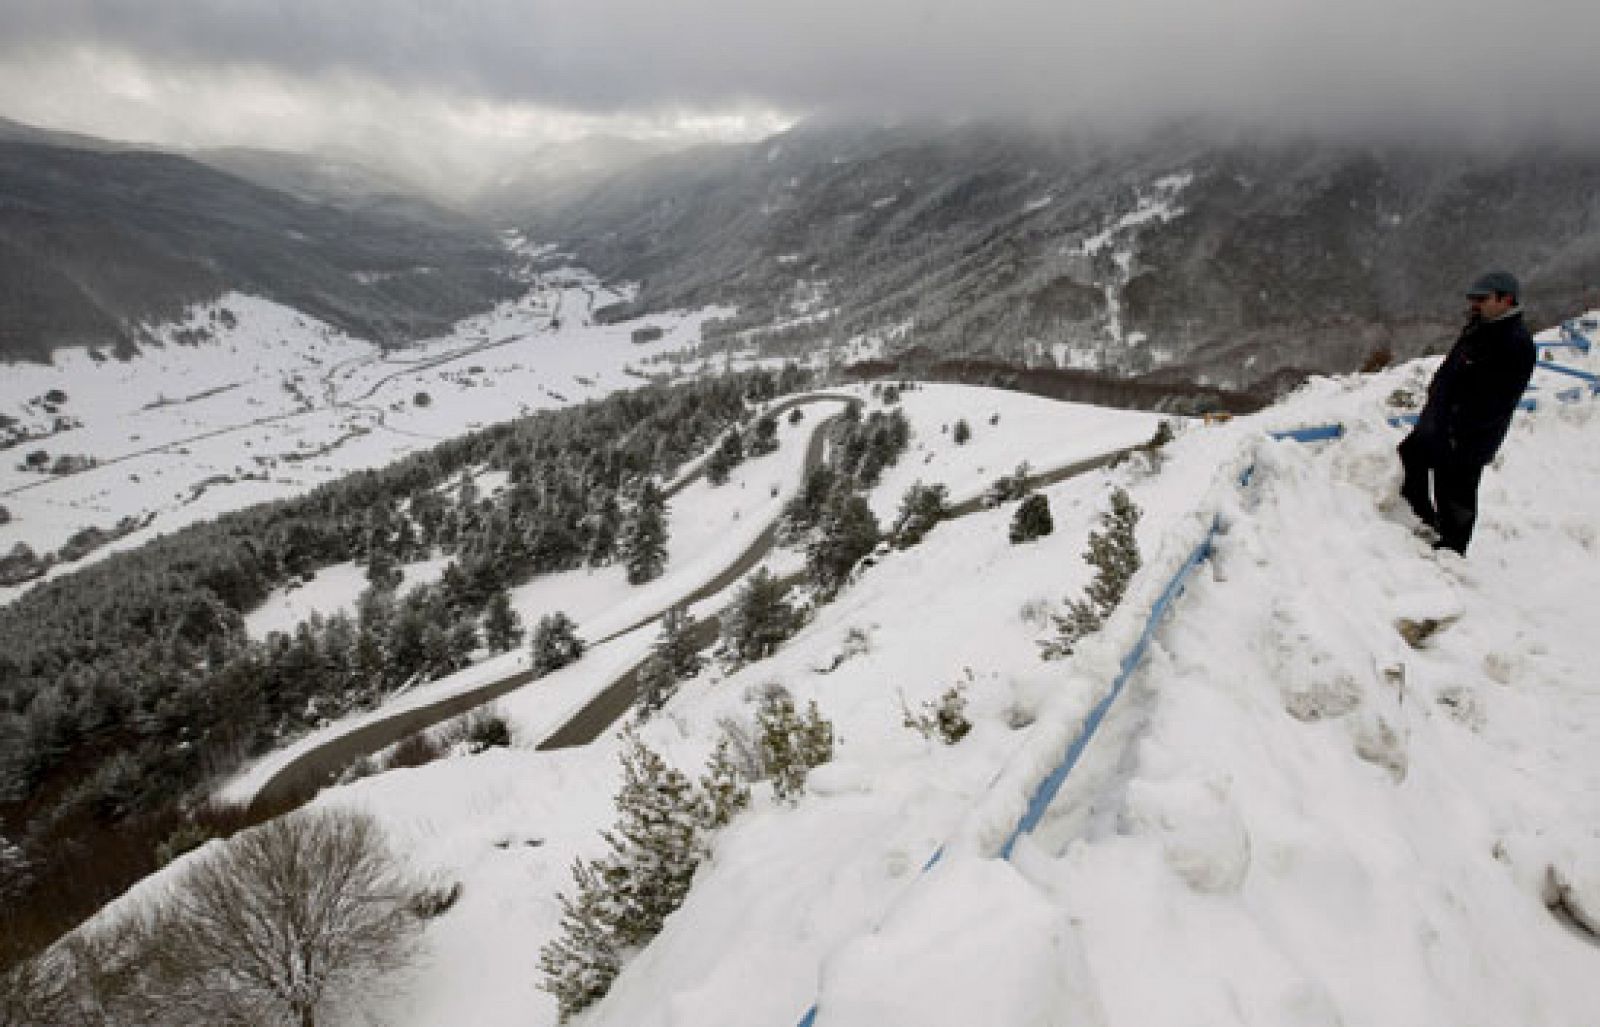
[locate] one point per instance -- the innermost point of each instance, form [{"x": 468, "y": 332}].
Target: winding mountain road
[
  {"x": 306, "y": 773},
  {"x": 303, "y": 775}
]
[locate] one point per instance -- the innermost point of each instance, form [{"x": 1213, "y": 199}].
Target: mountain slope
[
  {"x": 1197, "y": 252},
  {"x": 95, "y": 244},
  {"x": 1293, "y": 816}
]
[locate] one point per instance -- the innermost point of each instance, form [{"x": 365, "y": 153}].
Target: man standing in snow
[{"x": 1470, "y": 403}]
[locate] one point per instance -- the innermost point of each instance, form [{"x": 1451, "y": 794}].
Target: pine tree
[
  {"x": 464, "y": 642},
  {"x": 383, "y": 571},
  {"x": 724, "y": 789},
  {"x": 1032, "y": 519},
  {"x": 804, "y": 511},
  {"x": 502, "y": 626},
  {"x": 764, "y": 437},
  {"x": 676, "y": 644},
  {"x": 1113, "y": 552},
  {"x": 729, "y": 454},
  {"x": 921, "y": 508},
  {"x": 759, "y": 620},
  {"x": 962, "y": 433},
  {"x": 656, "y": 845},
  {"x": 436, "y": 650},
  {"x": 643, "y": 544},
  {"x": 603, "y": 526},
  {"x": 848, "y": 532},
  {"x": 555, "y": 643},
  {"x": 654, "y": 685},
  {"x": 623, "y": 899},
  {"x": 718, "y": 467},
  {"x": 580, "y": 963}
]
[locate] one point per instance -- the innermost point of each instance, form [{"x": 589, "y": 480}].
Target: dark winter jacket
[{"x": 1476, "y": 390}]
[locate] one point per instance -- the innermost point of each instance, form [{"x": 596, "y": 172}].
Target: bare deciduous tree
[{"x": 284, "y": 917}]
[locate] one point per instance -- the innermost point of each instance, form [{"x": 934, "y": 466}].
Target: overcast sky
[{"x": 465, "y": 82}]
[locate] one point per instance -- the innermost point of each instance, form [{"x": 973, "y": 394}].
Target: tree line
[{"x": 127, "y": 685}]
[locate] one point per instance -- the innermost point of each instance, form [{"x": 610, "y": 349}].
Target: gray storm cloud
[{"x": 1462, "y": 59}]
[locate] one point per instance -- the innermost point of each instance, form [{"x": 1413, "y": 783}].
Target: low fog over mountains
[
  {"x": 96, "y": 241},
  {"x": 1198, "y": 253},
  {"x": 1192, "y": 252}
]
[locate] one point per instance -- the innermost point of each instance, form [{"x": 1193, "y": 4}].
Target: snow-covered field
[
  {"x": 275, "y": 403},
  {"x": 1294, "y": 815}
]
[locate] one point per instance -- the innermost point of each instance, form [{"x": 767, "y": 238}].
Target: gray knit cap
[{"x": 1503, "y": 282}]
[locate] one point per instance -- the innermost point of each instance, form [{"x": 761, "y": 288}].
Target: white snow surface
[
  {"x": 280, "y": 402},
  {"x": 1291, "y": 815}
]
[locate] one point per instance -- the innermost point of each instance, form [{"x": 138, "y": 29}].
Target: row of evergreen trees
[{"x": 127, "y": 684}]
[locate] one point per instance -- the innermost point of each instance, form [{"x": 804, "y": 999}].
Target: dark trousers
[{"x": 1450, "y": 506}]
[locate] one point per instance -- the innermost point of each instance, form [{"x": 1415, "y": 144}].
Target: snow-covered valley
[{"x": 250, "y": 401}]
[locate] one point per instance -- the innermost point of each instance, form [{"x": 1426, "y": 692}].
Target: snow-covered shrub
[
  {"x": 791, "y": 744},
  {"x": 742, "y": 748},
  {"x": 1032, "y": 519},
  {"x": 945, "y": 717},
  {"x": 414, "y": 750},
  {"x": 922, "y": 507},
  {"x": 487, "y": 728},
  {"x": 35, "y": 991},
  {"x": 555, "y": 643},
  {"x": 725, "y": 787},
  {"x": 1008, "y": 487}
]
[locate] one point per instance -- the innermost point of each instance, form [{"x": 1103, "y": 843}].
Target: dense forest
[{"x": 129, "y": 685}]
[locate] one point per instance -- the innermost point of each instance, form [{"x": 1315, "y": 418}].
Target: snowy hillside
[
  {"x": 708, "y": 528},
  {"x": 261, "y": 402},
  {"x": 1355, "y": 780},
  {"x": 1292, "y": 817}
]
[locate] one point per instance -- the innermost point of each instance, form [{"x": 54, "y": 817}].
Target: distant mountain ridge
[
  {"x": 1197, "y": 253},
  {"x": 95, "y": 242}
]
